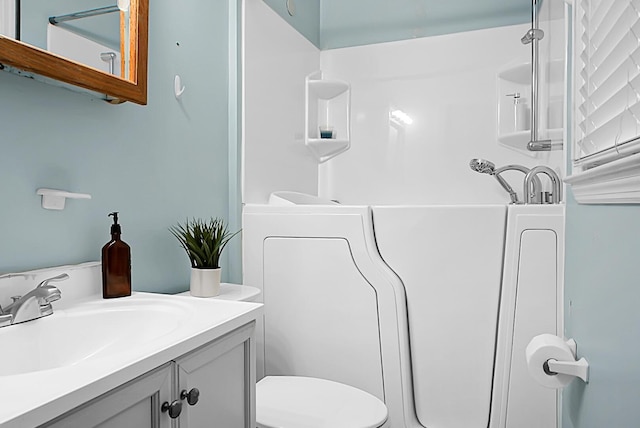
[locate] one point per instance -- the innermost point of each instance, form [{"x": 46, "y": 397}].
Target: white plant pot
[{"x": 205, "y": 282}]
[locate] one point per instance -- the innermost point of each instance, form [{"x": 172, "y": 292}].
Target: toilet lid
[{"x": 305, "y": 402}]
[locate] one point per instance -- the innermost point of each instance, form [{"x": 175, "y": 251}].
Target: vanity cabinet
[
  {"x": 224, "y": 374},
  {"x": 130, "y": 405},
  {"x": 211, "y": 385}
]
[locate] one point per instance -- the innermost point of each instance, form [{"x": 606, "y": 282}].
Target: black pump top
[{"x": 115, "y": 227}]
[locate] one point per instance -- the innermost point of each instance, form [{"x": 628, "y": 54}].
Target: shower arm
[
  {"x": 512, "y": 194},
  {"x": 534, "y": 189}
]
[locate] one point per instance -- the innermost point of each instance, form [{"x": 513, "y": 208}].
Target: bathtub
[{"x": 428, "y": 308}]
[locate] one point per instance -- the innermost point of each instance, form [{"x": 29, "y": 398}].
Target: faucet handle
[{"x": 60, "y": 277}]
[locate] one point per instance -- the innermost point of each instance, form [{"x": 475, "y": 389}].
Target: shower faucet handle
[{"x": 546, "y": 198}]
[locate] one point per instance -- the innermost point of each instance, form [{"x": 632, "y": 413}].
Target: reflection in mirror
[
  {"x": 9, "y": 18},
  {"x": 99, "y": 45},
  {"x": 87, "y": 31}
]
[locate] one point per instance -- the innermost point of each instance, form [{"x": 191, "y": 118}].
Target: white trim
[
  {"x": 568, "y": 94},
  {"x": 608, "y": 155},
  {"x": 617, "y": 182}
]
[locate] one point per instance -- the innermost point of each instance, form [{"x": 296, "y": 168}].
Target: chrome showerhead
[{"x": 482, "y": 166}]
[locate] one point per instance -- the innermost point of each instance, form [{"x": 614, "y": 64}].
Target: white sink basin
[
  {"x": 93, "y": 330},
  {"x": 90, "y": 346}
]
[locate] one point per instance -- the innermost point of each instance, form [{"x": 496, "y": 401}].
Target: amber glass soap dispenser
[{"x": 116, "y": 264}]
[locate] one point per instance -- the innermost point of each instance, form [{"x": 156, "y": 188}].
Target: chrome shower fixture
[
  {"x": 531, "y": 35},
  {"x": 484, "y": 166}
]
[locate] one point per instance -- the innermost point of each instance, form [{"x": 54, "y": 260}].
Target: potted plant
[{"x": 203, "y": 240}]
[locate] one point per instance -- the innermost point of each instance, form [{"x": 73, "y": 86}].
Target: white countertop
[
  {"x": 32, "y": 398},
  {"x": 237, "y": 292}
]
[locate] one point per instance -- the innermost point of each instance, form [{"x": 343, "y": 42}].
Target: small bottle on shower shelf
[{"x": 520, "y": 112}]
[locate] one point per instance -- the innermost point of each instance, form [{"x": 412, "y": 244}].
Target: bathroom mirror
[{"x": 100, "y": 46}]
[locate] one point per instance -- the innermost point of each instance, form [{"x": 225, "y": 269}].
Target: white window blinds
[{"x": 606, "y": 81}]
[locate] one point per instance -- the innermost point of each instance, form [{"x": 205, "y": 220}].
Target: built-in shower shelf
[
  {"x": 326, "y": 148},
  {"x": 519, "y": 140},
  {"x": 327, "y": 106},
  {"x": 516, "y": 140},
  {"x": 516, "y": 79},
  {"x": 520, "y": 73},
  {"x": 327, "y": 89}
]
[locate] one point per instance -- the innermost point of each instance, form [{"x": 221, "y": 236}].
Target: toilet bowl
[{"x": 306, "y": 402}]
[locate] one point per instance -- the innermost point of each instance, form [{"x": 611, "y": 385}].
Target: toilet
[{"x": 307, "y": 402}]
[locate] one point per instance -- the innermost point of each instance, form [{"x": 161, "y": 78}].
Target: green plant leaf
[{"x": 203, "y": 241}]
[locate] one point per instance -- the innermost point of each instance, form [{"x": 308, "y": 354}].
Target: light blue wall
[
  {"x": 361, "y": 22},
  {"x": 602, "y": 295},
  {"x": 306, "y": 18},
  {"x": 338, "y": 23},
  {"x": 156, "y": 164}
]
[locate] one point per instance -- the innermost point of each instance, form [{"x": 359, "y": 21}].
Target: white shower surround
[{"x": 447, "y": 84}]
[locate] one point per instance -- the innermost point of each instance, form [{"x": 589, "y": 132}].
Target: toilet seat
[{"x": 305, "y": 402}]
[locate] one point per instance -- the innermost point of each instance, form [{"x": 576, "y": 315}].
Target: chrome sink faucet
[
  {"x": 35, "y": 304},
  {"x": 544, "y": 197}
]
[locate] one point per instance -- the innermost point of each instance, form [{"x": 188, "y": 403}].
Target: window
[{"x": 606, "y": 108}]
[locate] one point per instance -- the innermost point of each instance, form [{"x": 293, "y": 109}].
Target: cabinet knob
[
  {"x": 192, "y": 396},
  {"x": 174, "y": 408}
]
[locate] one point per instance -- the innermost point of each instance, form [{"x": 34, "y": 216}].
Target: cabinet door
[
  {"x": 224, "y": 373},
  {"x": 134, "y": 404}
]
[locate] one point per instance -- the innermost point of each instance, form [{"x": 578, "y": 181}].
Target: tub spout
[{"x": 556, "y": 195}]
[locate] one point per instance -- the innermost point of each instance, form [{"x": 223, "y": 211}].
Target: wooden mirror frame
[{"x": 35, "y": 60}]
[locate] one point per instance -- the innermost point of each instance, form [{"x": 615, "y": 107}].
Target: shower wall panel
[
  {"x": 276, "y": 60},
  {"x": 448, "y": 86}
]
